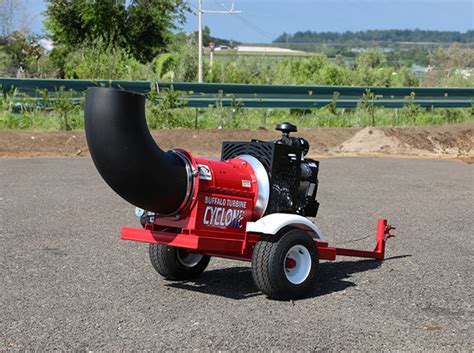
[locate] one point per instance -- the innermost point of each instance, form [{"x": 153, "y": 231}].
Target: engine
[{"x": 293, "y": 178}]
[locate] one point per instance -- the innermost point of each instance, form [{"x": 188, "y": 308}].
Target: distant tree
[
  {"x": 143, "y": 27},
  {"x": 453, "y": 66},
  {"x": 391, "y": 35},
  {"x": 370, "y": 59},
  {"x": 7, "y": 9},
  {"x": 452, "y": 58},
  {"x": 149, "y": 25},
  {"x": 13, "y": 17},
  {"x": 207, "y": 38},
  {"x": 23, "y": 53}
]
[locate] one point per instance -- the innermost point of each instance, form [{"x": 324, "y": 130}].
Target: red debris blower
[{"x": 251, "y": 205}]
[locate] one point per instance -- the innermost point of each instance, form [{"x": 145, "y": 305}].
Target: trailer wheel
[
  {"x": 177, "y": 263},
  {"x": 284, "y": 266}
]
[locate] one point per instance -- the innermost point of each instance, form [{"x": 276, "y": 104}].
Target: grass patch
[
  {"x": 63, "y": 110},
  {"x": 231, "y": 118}
]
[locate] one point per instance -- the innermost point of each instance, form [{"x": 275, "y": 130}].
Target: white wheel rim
[
  {"x": 297, "y": 264},
  {"x": 188, "y": 259}
]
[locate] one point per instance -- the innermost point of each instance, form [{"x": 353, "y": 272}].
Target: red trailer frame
[{"x": 225, "y": 244}]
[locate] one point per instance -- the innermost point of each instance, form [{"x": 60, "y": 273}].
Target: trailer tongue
[{"x": 251, "y": 205}]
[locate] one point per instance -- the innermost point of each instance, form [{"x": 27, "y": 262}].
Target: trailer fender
[{"x": 273, "y": 223}]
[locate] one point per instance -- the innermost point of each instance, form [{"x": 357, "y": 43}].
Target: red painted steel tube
[
  {"x": 326, "y": 253},
  {"x": 241, "y": 248},
  {"x": 359, "y": 253},
  {"x": 155, "y": 237},
  {"x": 383, "y": 233}
]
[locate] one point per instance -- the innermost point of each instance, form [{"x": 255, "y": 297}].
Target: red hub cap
[{"x": 290, "y": 263}]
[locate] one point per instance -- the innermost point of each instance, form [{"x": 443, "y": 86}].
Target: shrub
[
  {"x": 162, "y": 112},
  {"x": 99, "y": 61},
  {"x": 186, "y": 69},
  {"x": 164, "y": 66},
  {"x": 64, "y": 106}
]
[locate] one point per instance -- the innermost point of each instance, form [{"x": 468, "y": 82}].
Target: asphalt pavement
[{"x": 69, "y": 283}]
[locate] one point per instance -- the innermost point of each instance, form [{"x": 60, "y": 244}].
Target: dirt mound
[
  {"x": 448, "y": 140},
  {"x": 370, "y": 140},
  {"x": 445, "y": 139},
  {"x": 434, "y": 142}
]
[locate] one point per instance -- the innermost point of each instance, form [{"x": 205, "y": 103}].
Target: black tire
[
  {"x": 269, "y": 264},
  {"x": 169, "y": 262}
]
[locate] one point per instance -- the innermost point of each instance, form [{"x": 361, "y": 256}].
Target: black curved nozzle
[{"x": 126, "y": 155}]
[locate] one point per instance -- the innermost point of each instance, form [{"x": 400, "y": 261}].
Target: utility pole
[
  {"x": 200, "y": 12},
  {"x": 200, "y": 40}
]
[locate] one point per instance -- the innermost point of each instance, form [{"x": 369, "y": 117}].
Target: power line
[
  {"x": 250, "y": 24},
  {"x": 245, "y": 21},
  {"x": 200, "y": 12}
]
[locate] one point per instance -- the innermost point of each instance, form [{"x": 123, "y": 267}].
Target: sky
[{"x": 261, "y": 21}]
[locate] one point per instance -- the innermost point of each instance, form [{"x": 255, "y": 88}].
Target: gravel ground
[{"x": 69, "y": 283}]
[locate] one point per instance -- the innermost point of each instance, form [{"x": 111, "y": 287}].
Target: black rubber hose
[{"x": 126, "y": 155}]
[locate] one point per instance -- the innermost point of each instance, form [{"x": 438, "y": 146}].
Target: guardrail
[
  {"x": 32, "y": 86},
  {"x": 205, "y": 95},
  {"x": 307, "y": 97}
]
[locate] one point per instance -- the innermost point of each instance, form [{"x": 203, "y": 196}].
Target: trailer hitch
[
  {"x": 387, "y": 230},
  {"x": 383, "y": 233}
]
